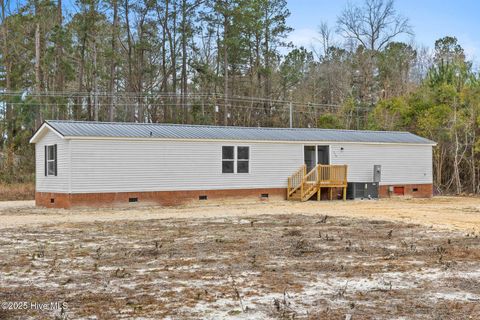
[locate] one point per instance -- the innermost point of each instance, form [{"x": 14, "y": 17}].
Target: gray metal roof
[{"x": 180, "y": 131}]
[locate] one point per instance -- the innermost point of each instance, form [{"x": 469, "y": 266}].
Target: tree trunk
[
  {"x": 95, "y": 82},
  {"x": 59, "y": 77},
  {"x": 140, "y": 72},
  {"x": 164, "y": 85},
  {"x": 5, "y": 51},
  {"x": 438, "y": 154},
  {"x": 257, "y": 64},
  {"x": 94, "y": 88},
  {"x": 77, "y": 112},
  {"x": 38, "y": 76},
  {"x": 217, "y": 76},
  {"x": 6, "y": 58},
  {"x": 473, "y": 121},
  {"x": 456, "y": 161},
  {"x": 173, "y": 57},
  {"x": 9, "y": 116},
  {"x": 130, "y": 80},
  {"x": 113, "y": 64},
  {"x": 225, "y": 69},
  {"x": 183, "y": 88},
  {"x": 473, "y": 167},
  {"x": 267, "y": 55}
]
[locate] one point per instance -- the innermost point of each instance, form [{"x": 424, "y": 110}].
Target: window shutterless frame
[
  {"x": 243, "y": 159},
  {"x": 228, "y": 159},
  {"x": 51, "y": 160},
  {"x": 236, "y": 159}
]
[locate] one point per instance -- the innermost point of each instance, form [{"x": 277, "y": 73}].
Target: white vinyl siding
[
  {"x": 52, "y": 183},
  {"x": 116, "y": 166},
  {"x": 401, "y": 164},
  {"x": 107, "y": 165}
]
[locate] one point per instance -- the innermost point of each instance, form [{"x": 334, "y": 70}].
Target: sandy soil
[
  {"x": 398, "y": 258},
  {"x": 455, "y": 213},
  {"x": 248, "y": 266}
]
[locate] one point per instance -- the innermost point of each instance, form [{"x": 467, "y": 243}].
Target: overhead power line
[{"x": 218, "y": 99}]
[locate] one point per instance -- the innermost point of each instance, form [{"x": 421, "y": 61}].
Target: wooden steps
[{"x": 302, "y": 186}]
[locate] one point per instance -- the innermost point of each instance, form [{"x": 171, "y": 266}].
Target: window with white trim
[
  {"x": 243, "y": 158},
  {"x": 228, "y": 159},
  {"x": 51, "y": 160},
  {"x": 235, "y": 159}
]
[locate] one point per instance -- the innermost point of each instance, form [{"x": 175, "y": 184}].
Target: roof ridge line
[{"x": 223, "y": 127}]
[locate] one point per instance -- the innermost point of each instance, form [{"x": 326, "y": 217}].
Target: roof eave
[
  {"x": 430, "y": 143},
  {"x": 41, "y": 130}
]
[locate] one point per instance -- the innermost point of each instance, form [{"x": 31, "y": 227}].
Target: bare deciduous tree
[
  {"x": 325, "y": 33},
  {"x": 372, "y": 25}
]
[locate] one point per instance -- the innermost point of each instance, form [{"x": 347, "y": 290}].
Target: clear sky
[{"x": 430, "y": 19}]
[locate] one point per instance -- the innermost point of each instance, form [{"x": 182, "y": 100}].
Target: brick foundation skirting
[
  {"x": 171, "y": 198},
  {"x": 165, "y": 198},
  {"x": 413, "y": 190}
]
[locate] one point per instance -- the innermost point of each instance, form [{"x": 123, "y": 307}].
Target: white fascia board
[{"x": 243, "y": 141}]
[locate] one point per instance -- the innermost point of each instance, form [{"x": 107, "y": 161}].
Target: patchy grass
[
  {"x": 279, "y": 267},
  {"x": 17, "y": 191}
]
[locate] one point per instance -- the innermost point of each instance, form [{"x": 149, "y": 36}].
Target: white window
[
  {"x": 228, "y": 159},
  {"x": 243, "y": 157},
  {"x": 235, "y": 159},
  {"x": 51, "y": 160}
]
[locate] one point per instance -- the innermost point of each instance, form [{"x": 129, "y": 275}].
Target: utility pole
[
  {"x": 290, "y": 106},
  {"x": 291, "y": 114}
]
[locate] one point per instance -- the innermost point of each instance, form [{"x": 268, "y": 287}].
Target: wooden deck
[{"x": 303, "y": 185}]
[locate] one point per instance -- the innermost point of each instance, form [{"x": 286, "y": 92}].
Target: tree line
[{"x": 229, "y": 62}]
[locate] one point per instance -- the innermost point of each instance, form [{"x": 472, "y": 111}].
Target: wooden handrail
[
  {"x": 295, "y": 181},
  {"x": 310, "y": 181},
  {"x": 312, "y": 176}
]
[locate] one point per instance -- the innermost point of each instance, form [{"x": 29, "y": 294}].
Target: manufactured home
[{"x": 100, "y": 164}]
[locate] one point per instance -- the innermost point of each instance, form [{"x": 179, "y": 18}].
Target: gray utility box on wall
[
  {"x": 377, "y": 173},
  {"x": 362, "y": 190}
]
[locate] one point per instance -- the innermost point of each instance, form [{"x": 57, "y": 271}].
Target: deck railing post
[
  {"x": 301, "y": 190},
  {"x": 288, "y": 188}
]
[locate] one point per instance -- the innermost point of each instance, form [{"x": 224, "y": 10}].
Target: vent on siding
[
  {"x": 415, "y": 189},
  {"x": 264, "y": 195},
  {"x": 52, "y": 200},
  {"x": 204, "y": 197},
  {"x": 132, "y": 199}
]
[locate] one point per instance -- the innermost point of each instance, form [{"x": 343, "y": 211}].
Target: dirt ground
[
  {"x": 455, "y": 213},
  {"x": 388, "y": 259}
]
